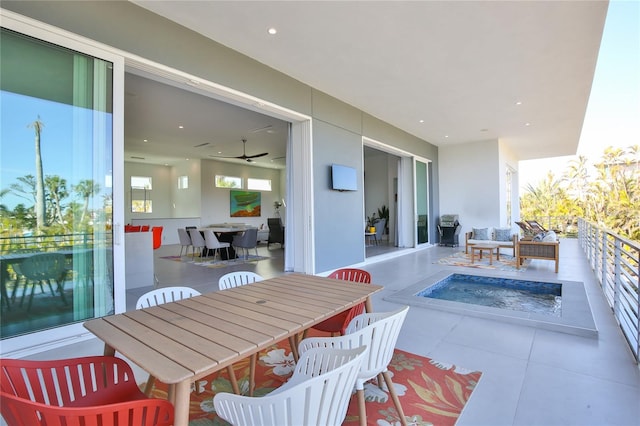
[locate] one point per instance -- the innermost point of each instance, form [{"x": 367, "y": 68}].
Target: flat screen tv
[{"x": 343, "y": 178}]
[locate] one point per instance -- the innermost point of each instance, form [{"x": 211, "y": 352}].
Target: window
[
  {"x": 141, "y": 182},
  {"x": 183, "y": 182},
  {"x": 259, "y": 184},
  {"x": 228, "y": 182}
]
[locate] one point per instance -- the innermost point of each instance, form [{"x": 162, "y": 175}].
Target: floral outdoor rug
[
  {"x": 506, "y": 262},
  {"x": 431, "y": 392}
]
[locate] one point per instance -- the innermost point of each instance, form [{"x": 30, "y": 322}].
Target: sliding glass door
[
  {"x": 422, "y": 201},
  {"x": 56, "y": 175}
]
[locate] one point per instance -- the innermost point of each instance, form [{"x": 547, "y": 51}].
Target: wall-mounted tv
[{"x": 343, "y": 178}]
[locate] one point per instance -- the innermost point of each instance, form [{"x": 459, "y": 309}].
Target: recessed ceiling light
[
  {"x": 272, "y": 31},
  {"x": 145, "y": 140},
  {"x": 446, "y": 136},
  {"x": 422, "y": 121},
  {"x": 518, "y": 102},
  {"x": 527, "y": 124},
  {"x": 484, "y": 130},
  {"x": 180, "y": 127}
]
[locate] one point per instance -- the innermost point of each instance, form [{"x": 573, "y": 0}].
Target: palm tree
[
  {"x": 40, "y": 203},
  {"x": 57, "y": 191},
  {"x": 86, "y": 189}
]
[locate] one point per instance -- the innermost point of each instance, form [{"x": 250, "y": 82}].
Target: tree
[
  {"x": 86, "y": 189},
  {"x": 40, "y": 203},
  {"x": 56, "y": 192}
]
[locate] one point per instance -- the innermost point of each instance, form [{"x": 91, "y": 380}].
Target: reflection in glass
[{"x": 55, "y": 182}]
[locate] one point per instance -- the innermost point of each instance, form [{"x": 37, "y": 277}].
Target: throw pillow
[
  {"x": 550, "y": 237},
  {"x": 480, "y": 233},
  {"x": 538, "y": 237},
  {"x": 503, "y": 234}
]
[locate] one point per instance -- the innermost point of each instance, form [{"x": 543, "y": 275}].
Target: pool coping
[{"x": 576, "y": 317}]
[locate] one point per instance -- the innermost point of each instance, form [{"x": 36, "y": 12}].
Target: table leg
[
  {"x": 181, "y": 403},
  {"x": 473, "y": 254},
  {"x": 109, "y": 351},
  {"x": 490, "y": 256},
  {"x": 368, "y": 305}
]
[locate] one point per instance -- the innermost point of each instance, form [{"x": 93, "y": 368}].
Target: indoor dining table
[{"x": 181, "y": 342}]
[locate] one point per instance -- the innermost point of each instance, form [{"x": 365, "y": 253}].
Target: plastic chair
[
  {"x": 158, "y": 297},
  {"x": 317, "y": 393},
  {"x": 247, "y": 240},
  {"x": 91, "y": 391},
  {"x": 157, "y": 236},
  {"x": 379, "y": 332},
  {"x": 185, "y": 240},
  {"x": 212, "y": 243},
  {"x": 44, "y": 267},
  {"x": 338, "y": 323},
  {"x": 238, "y": 278},
  {"x": 165, "y": 295},
  {"x": 197, "y": 241},
  {"x": 144, "y": 228}
]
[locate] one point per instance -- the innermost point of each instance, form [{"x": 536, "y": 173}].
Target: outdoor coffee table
[{"x": 487, "y": 248}]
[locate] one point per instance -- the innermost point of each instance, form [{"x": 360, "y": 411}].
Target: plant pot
[{"x": 372, "y": 229}]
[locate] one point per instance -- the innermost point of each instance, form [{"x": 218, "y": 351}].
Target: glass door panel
[
  {"x": 56, "y": 210},
  {"x": 422, "y": 202}
]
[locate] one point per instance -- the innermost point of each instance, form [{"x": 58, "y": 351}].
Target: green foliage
[{"x": 606, "y": 193}]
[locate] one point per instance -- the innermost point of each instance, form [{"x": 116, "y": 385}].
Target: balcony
[{"x": 530, "y": 375}]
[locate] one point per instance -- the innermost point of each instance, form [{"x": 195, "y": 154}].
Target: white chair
[
  {"x": 379, "y": 332},
  {"x": 165, "y": 295},
  {"x": 161, "y": 296},
  {"x": 238, "y": 278},
  {"x": 317, "y": 393},
  {"x": 197, "y": 241},
  {"x": 185, "y": 240},
  {"x": 212, "y": 243}
]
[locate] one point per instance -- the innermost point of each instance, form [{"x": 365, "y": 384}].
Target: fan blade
[{"x": 257, "y": 155}]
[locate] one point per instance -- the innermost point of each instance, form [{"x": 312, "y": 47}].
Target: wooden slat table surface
[{"x": 183, "y": 341}]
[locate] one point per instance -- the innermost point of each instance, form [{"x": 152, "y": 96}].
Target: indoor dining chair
[
  {"x": 185, "y": 240},
  {"x": 96, "y": 390},
  {"x": 212, "y": 243},
  {"x": 379, "y": 332},
  {"x": 197, "y": 242},
  {"x": 317, "y": 393},
  {"x": 247, "y": 240}
]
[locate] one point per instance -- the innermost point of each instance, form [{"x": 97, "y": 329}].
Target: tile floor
[{"x": 530, "y": 376}]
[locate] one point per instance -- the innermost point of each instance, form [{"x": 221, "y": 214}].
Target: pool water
[{"x": 502, "y": 293}]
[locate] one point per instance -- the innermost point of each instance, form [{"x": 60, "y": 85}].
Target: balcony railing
[{"x": 616, "y": 263}]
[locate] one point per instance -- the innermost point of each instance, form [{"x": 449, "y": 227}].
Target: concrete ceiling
[{"x": 448, "y": 72}]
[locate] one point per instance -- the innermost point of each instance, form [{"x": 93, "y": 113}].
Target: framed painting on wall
[{"x": 245, "y": 203}]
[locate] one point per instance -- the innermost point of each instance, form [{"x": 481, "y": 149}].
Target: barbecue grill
[{"x": 449, "y": 229}]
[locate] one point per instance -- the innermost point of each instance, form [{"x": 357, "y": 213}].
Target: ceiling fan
[{"x": 244, "y": 156}]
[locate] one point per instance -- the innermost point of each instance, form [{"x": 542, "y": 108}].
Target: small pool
[
  {"x": 503, "y": 293},
  {"x": 571, "y": 311}
]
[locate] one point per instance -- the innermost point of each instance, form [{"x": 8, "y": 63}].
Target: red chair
[
  {"x": 144, "y": 228},
  {"x": 338, "y": 323},
  {"x": 89, "y": 391},
  {"x": 157, "y": 236}
]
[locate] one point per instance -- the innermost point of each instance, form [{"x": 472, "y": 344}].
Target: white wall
[
  {"x": 186, "y": 202},
  {"x": 471, "y": 178},
  {"x": 160, "y": 194}
]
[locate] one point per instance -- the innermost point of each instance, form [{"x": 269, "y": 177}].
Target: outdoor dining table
[{"x": 181, "y": 342}]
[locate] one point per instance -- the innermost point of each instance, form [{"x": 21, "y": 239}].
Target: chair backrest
[
  {"x": 351, "y": 274},
  {"x": 378, "y": 331},
  {"x": 44, "y": 266},
  {"x": 145, "y": 228},
  {"x": 210, "y": 239},
  {"x": 157, "y": 236},
  {"x": 380, "y": 225},
  {"x": 248, "y": 239},
  {"x": 98, "y": 390},
  {"x": 165, "y": 295},
  {"x": 197, "y": 240},
  {"x": 276, "y": 232},
  {"x": 238, "y": 278},
  {"x": 318, "y": 393},
  {"x": 185, "y": 239}
]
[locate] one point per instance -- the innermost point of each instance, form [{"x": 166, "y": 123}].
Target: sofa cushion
[
  {"x": 481, "y": 234},
  {"x": 550, "y": 237},
  {"x": 503, "y": 234}
]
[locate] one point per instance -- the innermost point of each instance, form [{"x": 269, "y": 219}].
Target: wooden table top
[{"x": 191, "y": 338}]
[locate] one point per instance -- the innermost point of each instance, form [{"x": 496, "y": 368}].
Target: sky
[{"x": 613, "y": 111}]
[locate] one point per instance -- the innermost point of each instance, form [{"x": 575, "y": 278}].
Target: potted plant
[
  {"x": 371, "y": 223},
  {"x": 383, "y": 213}
]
